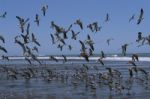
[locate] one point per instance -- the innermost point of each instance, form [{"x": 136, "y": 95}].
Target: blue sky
[{"x": 65, "y": 12}]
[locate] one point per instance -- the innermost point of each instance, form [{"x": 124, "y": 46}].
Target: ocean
[{"x": 75, "y": 79}]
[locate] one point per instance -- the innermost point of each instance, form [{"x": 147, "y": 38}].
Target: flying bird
[
  {"x": 65, "y": 58},
  {"x": 107, "y": 18},
  {"x": 37, "y": 20},
  {"x": 108, "y": 41},
  {"x": 35, "y": 40},
  {"x": 82, "y": 46},
  {"x": 78, "y": 22},
  {"x": 132, "y": 18},
  {"x": 124, "y": 49},
  {"x": 21, "y": 44},
  {"x": 28, "y": 60},
  {"x": 135, "y": 57},
  {"x": 85, "y": 56},
  {"x": 74, "y": 35},
  {"x": 100, "y": 60},
  {"x": 22, "y": 22},
  {"x": 53, "y": 58},
  {"x": 3, "y": 15},
  {"x": 140, "y": 17},
  {"x": 2, "y": 39},
  {"x": 3, "y": 49},
  {"x": 139, "y": 37},
  {"x": 53, "y": 39},
  {"x": 35, "y": 49},
  {"x": 43, "y": 9}
]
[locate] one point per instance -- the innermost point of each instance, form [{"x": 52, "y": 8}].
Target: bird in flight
[
  {"x": 2, "y": 39},
  {"x": 74, "y": 35},
  {"x": 140, "y": 17},
  {"x": 108, "y": 41},
  {"x": 43, "y": 9},
  {"x": 37, "y": 20},
  {"x": 3, "y": 49},
  {"x": 107, "y": 18},
  {"x": 78, "y": 22},
  {"x": 132, "y": 18},
  {"x": 3, "y": 15}
]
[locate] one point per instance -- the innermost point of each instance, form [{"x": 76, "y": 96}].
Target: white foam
[{"x": 90, "y": 58}]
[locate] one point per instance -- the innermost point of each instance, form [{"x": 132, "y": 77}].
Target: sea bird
[
  {"x": 2, "y": 39},
  {"x": 78, "y": 22},
  {"x": 131, "y": 18},
  {"x": 3, "y": 15},
  {"x": 140, "y": 16},
  {"x": 37, "y": 20},
  {"x": 43, "y": 9}
]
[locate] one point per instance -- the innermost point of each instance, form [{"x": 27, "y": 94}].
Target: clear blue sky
[{"x": 65, "y": 12}]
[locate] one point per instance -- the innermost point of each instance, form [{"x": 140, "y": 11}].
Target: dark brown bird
[{"x": 70, "y": 47}]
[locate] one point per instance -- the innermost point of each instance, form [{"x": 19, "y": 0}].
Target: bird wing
[
  {"x": 3, "y": 49},
  {"x": 2, "y": 39}
]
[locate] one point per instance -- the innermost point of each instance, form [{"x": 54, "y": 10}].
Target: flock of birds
[{"x": 30, "y": 44}]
